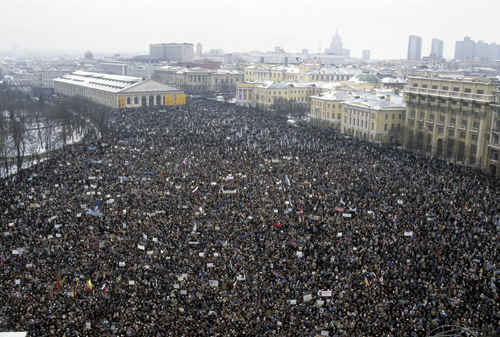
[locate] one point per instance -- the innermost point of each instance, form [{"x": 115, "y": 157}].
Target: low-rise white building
[{"x": 118, "y": 91}]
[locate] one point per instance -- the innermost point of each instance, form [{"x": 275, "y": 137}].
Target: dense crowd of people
[{"x": 219, "y": 220}]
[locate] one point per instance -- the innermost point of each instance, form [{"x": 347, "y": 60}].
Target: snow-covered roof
[
  {"x": 104, "y": 82},
  {"x": 381, "y": 100},
  {"x": 393, "y": 80},
  {"x": 112, "y": 83}
]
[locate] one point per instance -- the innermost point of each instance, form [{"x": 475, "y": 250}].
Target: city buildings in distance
[{"x": 414, "y": 48}]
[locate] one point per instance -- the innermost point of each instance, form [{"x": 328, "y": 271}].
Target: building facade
[
  {"x": 271, "y": 94},
  {"x": 328, "y": 109},
  {"x": 178, "y": 52},
  {"x": 377, "y": 116},
  {"x": 450, "y": 118},
  {"x": 114, "y": 68},
  {"x": 494, "y": 143},
  {"x": 414, "y": 48},
  {"x": 199, "y": 79},
  {"x": 118, "y": 91}
]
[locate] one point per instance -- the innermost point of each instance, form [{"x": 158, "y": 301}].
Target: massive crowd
[{"x": 218, "y": 220}]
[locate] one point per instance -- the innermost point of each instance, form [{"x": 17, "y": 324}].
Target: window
[
  {"x": 475, "y": 125},
  {"x": 444, "y": 88},
  {"x": 431, "y": 118},
  {"x": 434, "y": 87},
  {"x": 480, "y": 92},
  {"x": 451, "y": 132},
  {"x": 462, "y": 134},
  {"x": 415, "y": 85},
  {"x": 430, "y": 128},
  {"x": 464, "y": 123},
  {"x": 465, "y": 104},
  {"x": 385, "y": 127},
  {"x": 494, "y": 155},
  {"x": 424, "y": 85},
  {"x": 496, "y": 139},
  {"x": 456, "y": 89},
  {"x": 136, "y": 100},
  {"x": 453, "y": 121},
  {"x": 128, "y": 100},
  {"x": 441, "y": 130},
  {"x": 474, "y": 137},
  {"x": 468, "y": 90},
  {"x": 441, "y": 118}
]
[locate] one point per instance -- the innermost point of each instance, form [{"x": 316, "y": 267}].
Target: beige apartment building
[
  {"x": 494, "y": 144},
  {"x": 453, "y": 119}
]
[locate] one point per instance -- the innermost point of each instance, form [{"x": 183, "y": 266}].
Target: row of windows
[{"x": 446, "y": 88}]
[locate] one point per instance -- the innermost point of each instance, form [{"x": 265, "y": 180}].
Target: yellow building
[
  {"x": 298, "y": 73},
  {"x": 271, "y": 94},
  {"x": 451, "y": 118},
  {"x": 377, "y": 117},
  {"x": 328, "y": 109},
  {"x": 118, "y": 91}
]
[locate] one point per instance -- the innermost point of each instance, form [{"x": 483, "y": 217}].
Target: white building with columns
[{"x": 118, "y": 91}]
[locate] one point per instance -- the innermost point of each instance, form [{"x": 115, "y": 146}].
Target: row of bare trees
[{"x": 32, "y": 128}]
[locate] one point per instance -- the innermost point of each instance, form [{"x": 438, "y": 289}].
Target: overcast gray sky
[{"x": 112, "y": 26}]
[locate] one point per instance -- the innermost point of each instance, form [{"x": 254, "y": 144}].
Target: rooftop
[
  {"x": 380, "y": 100},
  {"x": 111, "y": 83}
]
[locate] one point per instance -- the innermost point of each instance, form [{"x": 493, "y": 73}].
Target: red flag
[{"x": 277, "y": 225}]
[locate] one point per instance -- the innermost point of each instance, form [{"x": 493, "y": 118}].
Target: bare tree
[{"x": 18, "y": 132}]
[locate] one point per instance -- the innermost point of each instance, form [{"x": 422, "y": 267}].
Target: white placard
[
  {"x": 241, "y": 278},
  {"x": 131, "y": 282},
  {"x": 17, "y": 281},
  {"x": 121, "y": 264},
  {"x": 307, "y": 298},
  {"x": 213, "y": 283},
  {"x": 201, "y": 254},
  {"x": 141, "y": 247},
  {"x": 347, "y": 215},
  {"x": 339, "y": 234},
  {"x": 150, "y": 252},
  {"x": 210, "y": 265},
  {"x": 176, "y": 286},
  {"x": 183, "y": 292},
  {"x": 325, "y": 293},
  {"x": 408, "y": 233},
  {"x": 292, "y": 302},
  {"x": 300, "y": 254}
]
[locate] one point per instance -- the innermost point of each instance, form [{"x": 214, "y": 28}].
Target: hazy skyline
[{"x": 121, "y": 26}]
